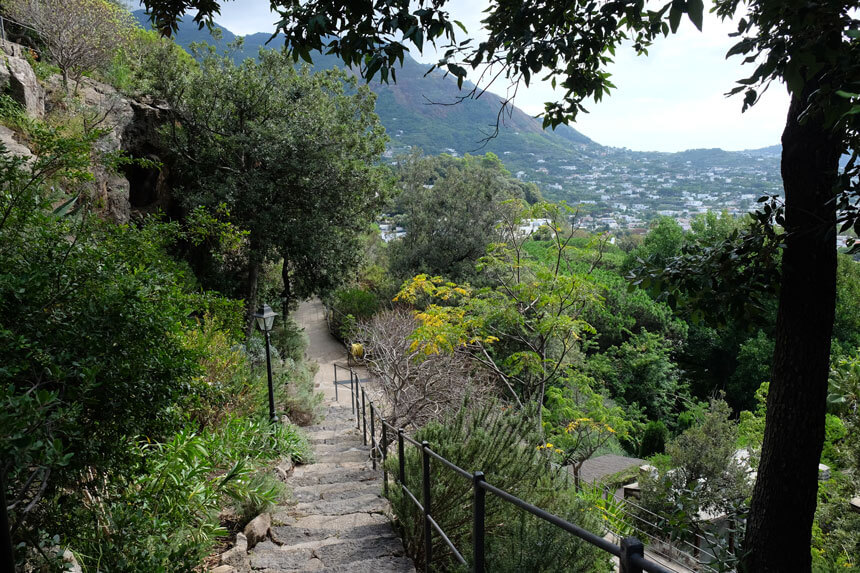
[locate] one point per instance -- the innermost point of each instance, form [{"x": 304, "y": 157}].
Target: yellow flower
[{"x": 548, "y": 445}]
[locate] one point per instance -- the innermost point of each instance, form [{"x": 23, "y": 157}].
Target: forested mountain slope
[{"x": 565, "y": 163}]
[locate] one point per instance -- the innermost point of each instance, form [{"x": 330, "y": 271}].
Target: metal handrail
[
  {"x": 657, "y": 527},
  {"x": 630, "y": 552}
]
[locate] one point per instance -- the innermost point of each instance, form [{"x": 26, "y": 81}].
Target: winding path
[{"x": 340, "y": 522}]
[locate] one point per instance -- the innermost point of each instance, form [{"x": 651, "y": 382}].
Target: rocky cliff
[{"x": 131, "y": 125}]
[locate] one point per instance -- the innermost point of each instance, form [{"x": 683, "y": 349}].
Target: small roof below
[{"x": 598, "y": 468}]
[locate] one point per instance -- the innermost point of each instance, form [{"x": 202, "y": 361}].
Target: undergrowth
[{"x": 500, "y": 443}]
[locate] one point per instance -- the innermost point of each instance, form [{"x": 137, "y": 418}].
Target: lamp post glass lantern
[{"x": 265, "y": 318}]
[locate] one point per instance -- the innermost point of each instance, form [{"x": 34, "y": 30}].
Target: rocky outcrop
[
  {"x": 18, "y": 79},
  {"x": 13, "y": 146},
  {"x": 132, "y": 127}
]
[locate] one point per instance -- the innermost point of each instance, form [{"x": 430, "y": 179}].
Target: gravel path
[{"x": 340, "y": 522}]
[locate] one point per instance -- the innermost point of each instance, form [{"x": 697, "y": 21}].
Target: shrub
[
  {"x": 126, "y": 417},
  {"x": 290, "y": 339},
  {"x": 653, "y": 439},
  {"x": 164, "y": 517},
  {"x": 349, "y": 306},
  {"x": 302, "y": 401},
  {"x": 501, "y": 443},
  {"x": 417, "y": 387}
]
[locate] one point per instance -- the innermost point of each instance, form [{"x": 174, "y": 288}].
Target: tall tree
[
  {"x": 450, "y": 208},
  {"x": 291, "y": 154},
  {"x": 811, "y": 45},
  {"x": 79, "y": 35}
]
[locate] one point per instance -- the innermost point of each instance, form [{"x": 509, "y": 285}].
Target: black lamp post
[{"x": 265, "y": 318}]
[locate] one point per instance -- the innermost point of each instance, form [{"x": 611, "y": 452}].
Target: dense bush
[
  {"x": 164, "y": 514},
  {"x": 130, "y": 414},
  {"x": 290, "y": 339},
  {"x": 653, "y": 439},
  {"x": 302, "y": 401},
  {"x": 348, "y": 306},
  {"x": 501, "y": 443}
]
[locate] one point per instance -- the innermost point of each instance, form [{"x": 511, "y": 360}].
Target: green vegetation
[
  {"x": 133, "y": 426},
  {"x": 301, "y": 182},
  {"x": 498, "y": 441},
  {"x": 120, "y": 408},
  {"x": 450, "y": 208},
  {"x": 79, "y": 36}
]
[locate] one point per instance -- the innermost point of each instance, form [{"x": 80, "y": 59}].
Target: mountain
[
  {"x": 406, "y": 108},
  {"x": 619, "y": 187}
]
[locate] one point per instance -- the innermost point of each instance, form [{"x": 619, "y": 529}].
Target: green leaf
[
  {"x": 695, "y": 9},
  {"x": 66, "y": 207},
  {"x": 675, "y": 18}
]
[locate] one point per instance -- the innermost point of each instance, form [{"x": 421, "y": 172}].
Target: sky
[{"x": 671, "y": 100}]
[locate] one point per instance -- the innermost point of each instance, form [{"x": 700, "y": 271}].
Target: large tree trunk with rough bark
[{"x": 784, "y": 498}]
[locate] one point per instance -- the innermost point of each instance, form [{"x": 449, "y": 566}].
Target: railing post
[
  {"x": 384, "y": 456},
  {"x": 357, "y": 412},
  {"x": 364, "y": 417},
  {"x": 479, "y": 511},
  {"x": 428, "y": 531},
  {"x": 336, "y": 399},
  {"x": 630, "y": 546},
  {"x": 372, "y": 438},
  {"x": 401, "y": 461},
  {"x": 352, "y": 392}
]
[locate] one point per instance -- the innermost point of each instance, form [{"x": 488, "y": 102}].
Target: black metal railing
[{"x": 630, "y": 552}]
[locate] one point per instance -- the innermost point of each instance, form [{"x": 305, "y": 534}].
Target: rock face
[
  {"x": 132, "y": 127},
  {"x": 13, "y": 146},
  {"x": 19, "y": 79},
  {"x": 24, "y": 87},
  {"x": 237, "y": 557}
]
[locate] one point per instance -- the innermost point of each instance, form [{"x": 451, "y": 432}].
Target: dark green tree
[
  {"x": 450, "y": 208},
  {"x": 292, "y": 155},
  {"x": 812, "y": 46}
]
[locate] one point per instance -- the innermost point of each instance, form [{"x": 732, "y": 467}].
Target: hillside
[{"x": 622, "y": 188}]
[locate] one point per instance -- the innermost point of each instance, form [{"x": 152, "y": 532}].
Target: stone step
[
  {"x": 349, "y": 455},
  {"x": 340, "y": 422},
  {"x": 330, "y": 552},
  {"x": 370, "y": 503},
  {"x": 325, "y": 467},
  {"x": 333, "y": 437},
  {"x": 388, "y": 564},
  {"x": 335, "y": 475},
  {"x": 334, "y": 491},
  {"x": 341, "y": 446},
  {"x": 297, "y": 534}
]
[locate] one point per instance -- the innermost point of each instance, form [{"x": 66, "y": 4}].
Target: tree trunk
[
  {"x": 286, "y": 294},
  {"x": 784, "y": 498},
  {"x": 251, "y": 293}
]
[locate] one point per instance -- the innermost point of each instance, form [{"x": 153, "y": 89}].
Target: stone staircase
[{"x": 340, "y": 522}]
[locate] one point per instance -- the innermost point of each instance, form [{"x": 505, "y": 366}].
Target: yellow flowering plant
[
  {"x": 524, "y": 330},
  {"x": 581, "y": 422}
]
